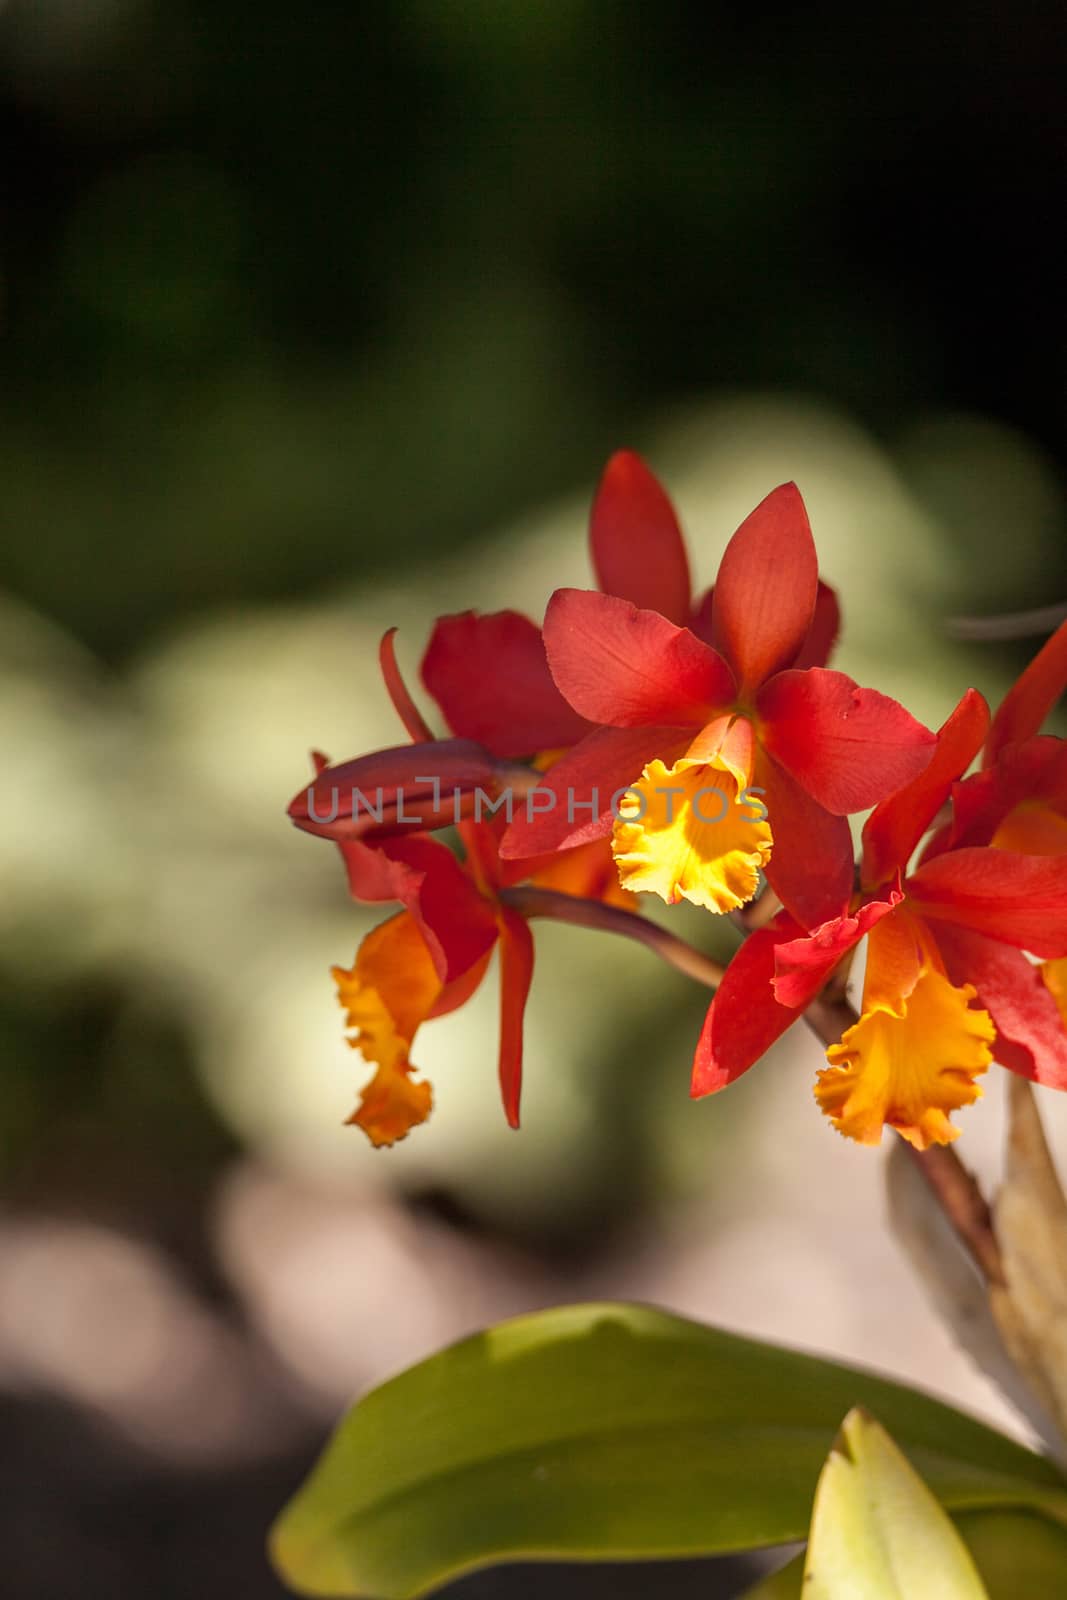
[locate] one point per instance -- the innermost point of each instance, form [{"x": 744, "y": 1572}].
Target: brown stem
[
  {"x": 957, "y": 1193},
  {"x": 829, "y": 1017},
  {"x": 534, "y": 902}
]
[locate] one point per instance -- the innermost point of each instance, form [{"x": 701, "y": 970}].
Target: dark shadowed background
[{"x": 317, "y": 319}]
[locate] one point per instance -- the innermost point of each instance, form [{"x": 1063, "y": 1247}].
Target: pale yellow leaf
[{"x": 877, "y": 1533}]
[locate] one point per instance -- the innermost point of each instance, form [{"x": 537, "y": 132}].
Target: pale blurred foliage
[{"x": 142, "y": 836}]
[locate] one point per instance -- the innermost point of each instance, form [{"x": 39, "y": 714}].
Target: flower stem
[{"x": 533, "y": 902}]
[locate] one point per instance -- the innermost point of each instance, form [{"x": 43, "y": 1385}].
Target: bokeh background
[{"x": 321, "y": 319}]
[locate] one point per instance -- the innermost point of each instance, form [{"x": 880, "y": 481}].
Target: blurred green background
[{"x": 321, "y": 319}]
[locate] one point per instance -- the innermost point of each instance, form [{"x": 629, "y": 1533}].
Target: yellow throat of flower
[{"x": 691, "y": 832}]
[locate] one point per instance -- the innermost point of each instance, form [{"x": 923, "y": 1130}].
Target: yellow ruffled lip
[
  {"x": 908, "y": 1068},
  {"x": 389, "y": 990},
  {"x": 1054, "y": 974},
  {"x": 692, "y": 831}
]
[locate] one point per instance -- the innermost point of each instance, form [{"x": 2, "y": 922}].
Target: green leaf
[
  {"x": 607, "y": 1432},
  {"x": 1017, "y": 1553},
  {"x": 877, "y": 1533}
]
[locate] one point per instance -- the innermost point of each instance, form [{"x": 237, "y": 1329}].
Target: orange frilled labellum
[
  {"x": 390, "y": 989},
  {"x": 910, "y": 1067}
]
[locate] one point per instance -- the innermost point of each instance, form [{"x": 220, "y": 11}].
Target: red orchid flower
[
  {"x": 431, "y": 957},
  {"x": 950, "y": 932},
  {"x": 680, "y": 719},
  {"x": 489, "y": 674}
]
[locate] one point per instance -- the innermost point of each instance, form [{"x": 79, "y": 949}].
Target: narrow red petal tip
[
  {"x": 896, "y": 825},
  {"x": 516, "y": 972},
  {"x": 766, "y": 588},
  {"x": 415, "y": 724},
  {"x": 636, "y": 542},
  {"x": 1031, "y": 698}
]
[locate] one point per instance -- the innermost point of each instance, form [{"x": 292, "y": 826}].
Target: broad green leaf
[
  {"x": 1017, "y": 1553},
  {"x": 601, "y": 1432},
  {"x": 877, "y": 1533}
]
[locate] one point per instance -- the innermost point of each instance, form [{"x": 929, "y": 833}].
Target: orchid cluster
[{"x": 649, "y": 741}]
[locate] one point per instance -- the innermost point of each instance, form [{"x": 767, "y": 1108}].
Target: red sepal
[
  {"x": 342, "y": 802},
  {"x": 415, "y": 724},
  {"x": 636, "y": 543},
  {"x": 1030, "y": 1034},
  {"x": 822, "y": 635},
  {"x": 895, "y": 827},
  {"x": 1031, "y": 698},
  {"x": 1019, "y": 899},
  {"x": 490, "y": 677},
  {"x": 765, "y": 589}
]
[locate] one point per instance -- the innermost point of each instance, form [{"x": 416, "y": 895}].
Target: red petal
[
  {"x": 490, "y": 677},
  {"x": 895, "y": 827},
  {"x": 393, "y": 791},
  {"x": 849, "y": 747},
  {"x": 516, "y": 971},
  {"x": 744, "y": 1018},
  {"x": 825, "y": 627},
  {"x": 1033, "y": 771},
  {"x": 1029, "y": 701},
  {"x": 1030, "y": 1035},
  {"x": 811, "y": 865},
  {"x": 405, "y": 707},
  {"x": 460, "y": 990},
  {"x": 456, "y": 922},
  {"x": 1019, "y": 899},
  {"x": 637, "y": 546},
  {"x": 625, "y": 667},
  {"x": 373, "y": 874},
  {"x": 765, "y": 589},
  {"x": 803, "y": 965},
  {"x": 572, "y": 802}
]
